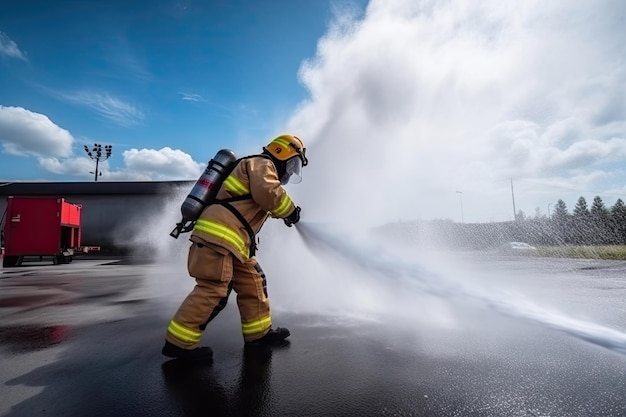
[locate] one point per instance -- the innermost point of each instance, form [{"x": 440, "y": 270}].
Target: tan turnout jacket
[{"x": 258, "y": 178}]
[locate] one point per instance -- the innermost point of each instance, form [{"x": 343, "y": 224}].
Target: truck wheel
[
  {"x": 62, "y": 259},
  {"x": 10, "y": 261}
]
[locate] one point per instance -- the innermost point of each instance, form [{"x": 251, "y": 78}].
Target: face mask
[{"x": 293, "y": 172}]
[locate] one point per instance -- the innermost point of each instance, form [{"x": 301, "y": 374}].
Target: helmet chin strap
[{"x": 281, "y": 167}]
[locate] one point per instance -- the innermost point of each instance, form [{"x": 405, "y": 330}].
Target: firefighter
[{"x": 222, "y": 253}]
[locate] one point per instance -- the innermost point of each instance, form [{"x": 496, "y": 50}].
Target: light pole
[
  {"x": 513, "y": 197},
  {"x": 461, "y": 195},
  {"x": 549, "y": 210},
  {"x": 96, "y": 155}
]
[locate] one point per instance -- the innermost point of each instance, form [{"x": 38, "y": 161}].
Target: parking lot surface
[{"x": 84, "y": 339}]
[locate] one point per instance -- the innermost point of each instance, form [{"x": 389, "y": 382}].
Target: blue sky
[
  {"x": 188, "y": 75},
  {"x": 410, "y": 109}
]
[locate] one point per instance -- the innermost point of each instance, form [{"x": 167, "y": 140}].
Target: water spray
[{"x": 374, "y": 260}]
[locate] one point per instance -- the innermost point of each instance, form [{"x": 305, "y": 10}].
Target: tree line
[{"x": 595, "y": 225}]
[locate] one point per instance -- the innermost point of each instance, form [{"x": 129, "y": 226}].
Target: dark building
[{"x": 115, "y": 215}]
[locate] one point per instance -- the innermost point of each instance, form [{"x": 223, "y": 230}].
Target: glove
[{"x": 293, "y": 218}]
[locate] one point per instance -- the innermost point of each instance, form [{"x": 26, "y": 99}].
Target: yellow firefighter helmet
[
  {"x": 289, "y": 151},
  {"x": 287, "y": 146}
]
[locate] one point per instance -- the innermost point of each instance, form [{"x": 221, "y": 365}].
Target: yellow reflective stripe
[
  {"x": 220, "y": 231},
  {"x": 282, "y": 142},
  {"x": 235, "y": 186},
  {"x": 257, "y": 326},
  {"x": 183, "y": 333},
  {"x": 283, "y": 207}
]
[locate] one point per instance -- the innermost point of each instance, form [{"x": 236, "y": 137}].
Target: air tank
[{"x": 204, "y": 190}]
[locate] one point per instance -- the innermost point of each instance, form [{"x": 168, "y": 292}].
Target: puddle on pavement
[
  {"x": 32, "y": 338},
  {"x": 26, "y": 300}
]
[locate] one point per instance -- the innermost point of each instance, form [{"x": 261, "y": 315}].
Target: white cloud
[
  {"x": 78, "y": 166},
  {"x": 191, "y": 97},
  {"x": 23, "y": 132},
  {"x": 31, "y": 134},
  {"x": 109, "y": 107},
  {"x": 9, "y": 48},
  {"x": 162, "y": 164},
  {"x": 419, "y": 99},
  {"x": 26, "y": 133},
  {"x": 165, "y": 164}
]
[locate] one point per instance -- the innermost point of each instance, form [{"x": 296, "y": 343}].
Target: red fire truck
[{"x": 38, "y": 227}]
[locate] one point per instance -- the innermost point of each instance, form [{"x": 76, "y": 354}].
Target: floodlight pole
[
  {"x": 461, "y": 195},
  {"x": 96, "y": 154},
  {"x": 513, "y": 196}
]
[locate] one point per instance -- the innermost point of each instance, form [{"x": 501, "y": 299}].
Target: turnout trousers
[{"x": 217, "y": 272}]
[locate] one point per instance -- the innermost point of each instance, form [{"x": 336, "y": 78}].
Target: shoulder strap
[
  {"x": 243, "y": 221},
  {"x": 226, "y": 203}
]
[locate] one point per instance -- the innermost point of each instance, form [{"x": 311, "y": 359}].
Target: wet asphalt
[{"x": 84, "y": 339}]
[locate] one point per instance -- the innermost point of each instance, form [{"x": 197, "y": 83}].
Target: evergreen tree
[
  {"x": 598, "y": 208},
  {"x": 618, "y": 221},
  {"x": 600, "y": 227},
  {"x": 618, "y": 207},
  {"x": 560, "y": 211},
  {"x": 581, "y": 230},
  {"x": 581, "y": 209},
  {"x": 561, "y": 221},
  {"x": 539, "y": 214}
]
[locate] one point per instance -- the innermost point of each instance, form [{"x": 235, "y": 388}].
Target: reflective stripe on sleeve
[
  {"x": 235, "y": 186},
  {"x": 283, "y": 207},
  {"x": 184, "y": 334},
  {"x": 257, "y": 326},
  {"x": 222, "y": 232}
]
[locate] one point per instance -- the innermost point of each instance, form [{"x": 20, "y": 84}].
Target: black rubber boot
[
  {"x": 275, "y": 337},
  {"x": 201, "y": 354}
]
